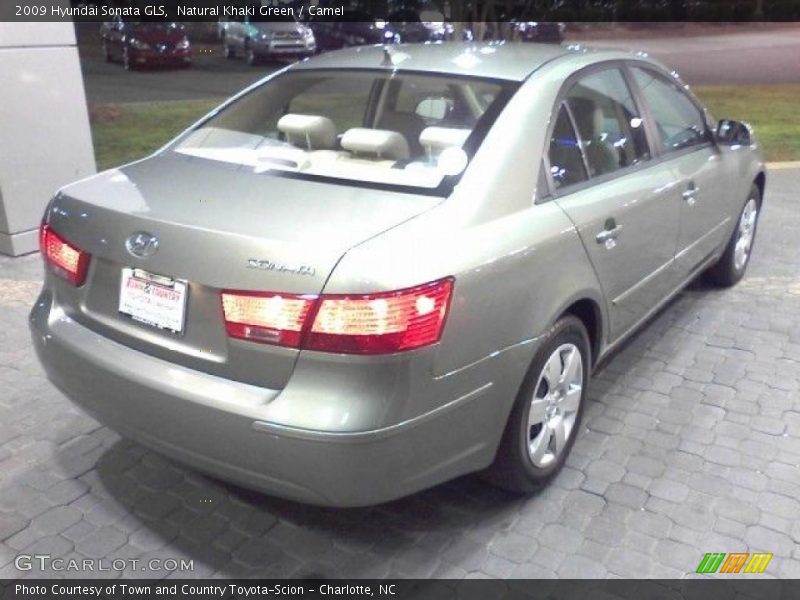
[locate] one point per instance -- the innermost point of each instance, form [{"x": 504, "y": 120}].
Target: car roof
[{"x": 498, "y": 60}]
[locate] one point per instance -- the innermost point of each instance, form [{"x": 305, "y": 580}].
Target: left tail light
[
  {"x": 64, "y": 259},
  {"x": 378, "y": 323}
]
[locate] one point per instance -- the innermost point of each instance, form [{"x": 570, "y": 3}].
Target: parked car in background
[
  {"x": 258, "y": 38},
  {"x": 440, "y": 30},
  {"x": 356, "y": 28},
  {"x": 409, "y": 29},
  {"x": 142, "y": 43},
  {"x": 538, "y": 31},
  {"x": 341, "y": 287}
]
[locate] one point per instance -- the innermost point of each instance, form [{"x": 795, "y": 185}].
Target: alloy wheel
[
  {"x": 745, "y": 234},
  {"x": 555, "y": 404}
]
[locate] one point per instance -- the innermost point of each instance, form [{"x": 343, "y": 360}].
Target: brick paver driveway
[{"x": 691, "y": 444}]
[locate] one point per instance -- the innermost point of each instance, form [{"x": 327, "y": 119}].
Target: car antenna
[{"x": 387, "y": 57}]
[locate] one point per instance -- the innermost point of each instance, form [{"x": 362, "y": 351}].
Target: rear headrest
[
  {"x": 383, "y": 143},
  {"x": 312, "y": 132},
  {"x": 436, "y": 139}
]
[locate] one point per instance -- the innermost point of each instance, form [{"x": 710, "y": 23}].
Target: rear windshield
[{"x": 395, "y": 129}]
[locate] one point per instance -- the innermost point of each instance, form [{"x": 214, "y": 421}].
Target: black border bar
[
  {"x": 739, "y": 588},
  {"x": 654, "y": 11}
]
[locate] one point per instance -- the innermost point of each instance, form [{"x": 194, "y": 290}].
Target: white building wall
[{"x": 45, "y": 140}]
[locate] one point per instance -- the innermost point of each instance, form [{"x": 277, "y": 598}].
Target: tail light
[
  {"x": 267, "y": 318},
  {"x": 379, "y": 323},
  {"x": 64, "y": 259}
]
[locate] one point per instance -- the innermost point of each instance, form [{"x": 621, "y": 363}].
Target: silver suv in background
[{"x": 260, "y": 39}]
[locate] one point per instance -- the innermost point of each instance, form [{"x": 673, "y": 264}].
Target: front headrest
[
  {"x": 312, "y": 132},
  {"x": 436, "y": 139},
  {"x": 383, "y": 143},
  {"x": 589, "y": 117}
]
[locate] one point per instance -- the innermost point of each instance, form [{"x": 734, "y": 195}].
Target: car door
[
  {"x": 684, "y": 140},
  {"x": 603, "y": 177},
  {"x": 234, "y": 34}
]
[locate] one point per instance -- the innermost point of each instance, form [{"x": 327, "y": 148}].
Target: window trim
[
  {"x": 546, "y": 174},
  {"x": 577, "y": 133},
  {"x": 566, "y": 87},
  {"x": 659, "y": 149},
  {"x": 657, "y": 156}
]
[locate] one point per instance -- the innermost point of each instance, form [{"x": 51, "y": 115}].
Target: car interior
[
  {"x": 607, "y": 132},
  {"x": 393, "y": 126}
]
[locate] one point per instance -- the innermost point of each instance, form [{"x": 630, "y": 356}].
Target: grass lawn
[
  {"x": 771, "y": 109},
  {"x": 125, "y": 132}
]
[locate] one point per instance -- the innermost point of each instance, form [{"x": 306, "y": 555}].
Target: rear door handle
[
  {"x": 610, "y": 234},
  {"x": 690, "y": 195}
]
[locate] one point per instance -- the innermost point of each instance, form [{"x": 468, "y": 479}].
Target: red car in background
[{"x": 142, "y": 43}]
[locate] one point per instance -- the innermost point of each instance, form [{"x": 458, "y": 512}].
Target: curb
[{"x": 782, "y": 166}]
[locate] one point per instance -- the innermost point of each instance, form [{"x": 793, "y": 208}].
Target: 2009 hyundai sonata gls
[{"x": 381, "y": 268}]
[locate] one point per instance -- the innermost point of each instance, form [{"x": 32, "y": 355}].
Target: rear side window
[
  {"x": 680, "y": 123},
  {"x": 566, "y": 160},
  {"x": 610, "y": 128}
]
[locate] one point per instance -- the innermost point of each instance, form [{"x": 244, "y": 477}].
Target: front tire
[
  {"x": 250, "y": 55},
  {"x": 230, "y": 51},
  {"x": 546, "y": 416},
  {"x": 126, "y": 59},
  {"x": 731, "y": 267}
]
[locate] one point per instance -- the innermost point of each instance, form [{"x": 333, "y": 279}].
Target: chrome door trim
[
  {"x": 668, "y": 264},
  {"x": 702, "y": 238},
  {"x": 643, "y": 282},
  {"x": 658, "y": 306}
]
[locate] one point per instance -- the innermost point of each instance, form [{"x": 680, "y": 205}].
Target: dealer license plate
[{"x": 153, "y": 299}]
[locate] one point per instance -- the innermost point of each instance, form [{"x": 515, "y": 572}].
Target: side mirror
[{"x": 733, "y": 133}]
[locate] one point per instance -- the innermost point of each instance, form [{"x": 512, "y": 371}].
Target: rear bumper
[{"x": 217, "y": 425}]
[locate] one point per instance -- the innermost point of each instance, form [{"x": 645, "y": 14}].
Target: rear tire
[
  {"x": 230, "y": 51},
  {"x": 732, "y": 265},
  {"x": 546, "y": 416},
  {"x": 107, "y": 52}
]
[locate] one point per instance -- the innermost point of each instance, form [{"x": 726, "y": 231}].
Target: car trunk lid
[{"x": 219, "y": 226}]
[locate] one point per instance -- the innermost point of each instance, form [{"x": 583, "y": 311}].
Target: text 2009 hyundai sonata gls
[{"x": 381, "y": 268}]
